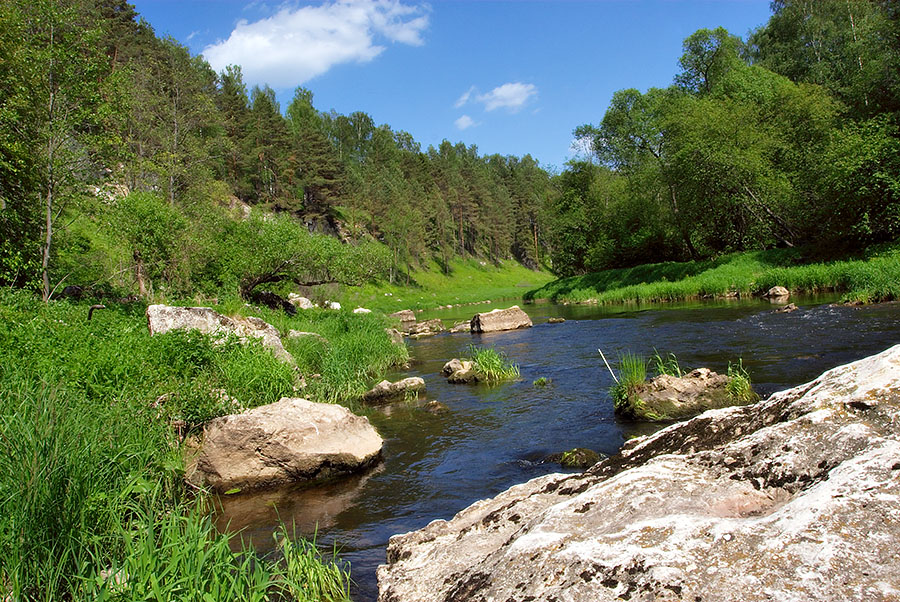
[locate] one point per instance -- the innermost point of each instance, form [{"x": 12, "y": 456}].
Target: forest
[{"x": 129, "y": 165}]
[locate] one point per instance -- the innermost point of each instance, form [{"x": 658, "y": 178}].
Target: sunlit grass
[{"x": 492, "y": 366}]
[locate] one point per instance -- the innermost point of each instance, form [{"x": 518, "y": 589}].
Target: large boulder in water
[
  {"x": 500, "y": 319},
  {"x": 794, "y": 498},
  {"x": 667, "y": 397},
  {"x": 292, "y": 440},
  {"x": 163, "y": 318}
]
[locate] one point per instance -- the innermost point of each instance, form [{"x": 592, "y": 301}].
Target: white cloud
[
  {"x": 299, "y": 43},
  {"x": 512, "y": 96},
  {"x": 464, "y": 123}
]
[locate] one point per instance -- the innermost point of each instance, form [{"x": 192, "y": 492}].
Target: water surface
[{"x": 489, "y": 438}]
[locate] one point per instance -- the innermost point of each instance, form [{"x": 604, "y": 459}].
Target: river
[{"x": 489, "y": 438}]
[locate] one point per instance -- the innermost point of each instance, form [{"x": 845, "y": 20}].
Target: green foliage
[
  {"x": 739, "y": 386},
  {"x": 492, "y": 366},
  {"x": 874, "y": 279},
  {"x": 632, "y": 372},
  {"x": 666, "y": 365},
  {"x": 542, "y": 381}
]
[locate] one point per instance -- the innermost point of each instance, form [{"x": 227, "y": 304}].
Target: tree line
[
  {"x": 94, "y": 107},
  {"x": 790, "y": 138}
]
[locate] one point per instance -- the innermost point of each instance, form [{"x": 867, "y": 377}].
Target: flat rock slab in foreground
[
  {"x": 291, "y": 440},
  {"x": 500, "y": 319},
  {"x": 163, "y": 318},
  {"x": 794, "y": 498}
]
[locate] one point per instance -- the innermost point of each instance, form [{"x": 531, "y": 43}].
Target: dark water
[{"x": 490, "y": 438}]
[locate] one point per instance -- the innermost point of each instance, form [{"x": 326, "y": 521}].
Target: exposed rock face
[
  {"x": 501, "y": 319},
  {"x": 287, "y": 441},
  {"x": 793, "y": 498},
  {"x": 386, "y": 391},
  {"x": 428, "y": 327},
  {"x": 778, "y": 293},
  {"x": 163, "y": 318},
  {"x": 407, "y": 319},
  {"x": 459, "y": 371},
  {"x": 300, "y": 302},
  {"x": 671, "y": 398}
]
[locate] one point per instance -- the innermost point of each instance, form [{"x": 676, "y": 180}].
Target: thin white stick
[{"x": 607, "y": 366}]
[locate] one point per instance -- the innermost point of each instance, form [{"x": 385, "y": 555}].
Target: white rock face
[
  {"x": 163, "y": 318},
  {"x": 362, "y": 310},
  {"x": 500, "y": 319},
  {"x": 300, "y": 302},
  {"x": 794, "y": 498},
  {"x": 287, "y": 441}
]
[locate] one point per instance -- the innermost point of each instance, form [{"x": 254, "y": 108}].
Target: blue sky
[{"x": 512, "y": 77}]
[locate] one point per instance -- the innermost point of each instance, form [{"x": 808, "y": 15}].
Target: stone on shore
[
  {"x": 426, "y": 328},
  {"x": 163, "y": 318},
  {"x": 461, "y": 327},
  {"x": 794, "y": 498},
  {"x": 777, "y": 293},
  {"x": 386, "y": 391},
  {"x": 406, "y": 317},
  {"x": 292, "y": 440},
  {"x": 500, "y": 319}
]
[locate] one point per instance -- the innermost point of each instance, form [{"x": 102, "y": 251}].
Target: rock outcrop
[
  {"x": 501, "y": 319},
  {"x": 427, "y": 328},
  {"x": 460, "y": 372},
  {"x": 461, "y": 327},
  {"x": 794, "y": 498},
  {"x": 163, "y": 318},
  {"x": 386, "y": 391},
  {"x": 406, "y": 317},
  {"x": 667, "y": 397},
  {"x": 777, "y": 293},
  {"x": 292, "y": 440}
]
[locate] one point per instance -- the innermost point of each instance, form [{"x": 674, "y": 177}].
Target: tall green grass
[
  {"x": 91, "y": 468},
  {"x": 492, "y": 366},
  {"x": 632, "y": 372},
  {"x": 870, "y": 279}
]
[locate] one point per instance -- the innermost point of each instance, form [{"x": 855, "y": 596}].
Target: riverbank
[
  {"x": 468, "y": 282},
  {"x": 872, "y": 278},
  {"x": 94, "y": 415}
]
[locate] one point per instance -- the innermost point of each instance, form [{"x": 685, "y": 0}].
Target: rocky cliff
[{"x": 794, "y": 498}]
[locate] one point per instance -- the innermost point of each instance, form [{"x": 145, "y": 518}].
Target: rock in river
[
  {"x": 501, "y": 319},
  {"x": 667, "y": 397},
  {"x": 386, "y": 391},
  {"x": 794, "y": 498},
  {"x": 288, "y": 441}
]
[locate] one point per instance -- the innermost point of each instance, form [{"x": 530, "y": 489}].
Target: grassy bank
[
  {"x": 92, "y": 504},
  {"x": 872, "y": 278},
  {"x": 469, "y": 281}
]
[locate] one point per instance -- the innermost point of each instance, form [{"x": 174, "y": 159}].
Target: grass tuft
[{"x": 492, "y": 366}]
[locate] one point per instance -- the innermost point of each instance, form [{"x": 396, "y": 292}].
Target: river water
[{"x": 489, "y": 438}]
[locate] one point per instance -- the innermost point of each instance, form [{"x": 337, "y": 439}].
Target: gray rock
[
  {"x": 790, "y": 307},
  {"x": 455, "y": 365},
  {"x": 463, "y": 377},
  {"x": 793, "y": 498},
  {"x": 556, "y": 320},
  {"x": 396, "y": 335},
  {"x": 668, "y": 397},
  {"x": 501, "y": 319},
  {"x": 777, "y": 293},
  {"x": 406, "y": 317},
  {"x": 428, "y": 327},
  {"x": 300, "y": 302},
  {"x": 163, "y": 318},
  {"x": 362, "y": 310},
  {"x": 386, "y": 391},
  {"x": 291, "y": 440}
]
